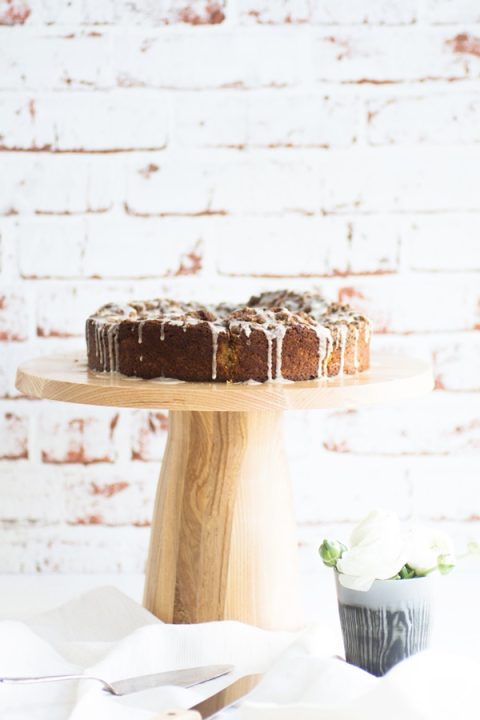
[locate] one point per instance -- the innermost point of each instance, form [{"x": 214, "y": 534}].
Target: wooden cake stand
[{"x": 223, "y": 542}]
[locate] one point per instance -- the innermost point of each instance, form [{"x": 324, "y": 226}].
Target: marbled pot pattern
[{"x": 385, "y": 625}]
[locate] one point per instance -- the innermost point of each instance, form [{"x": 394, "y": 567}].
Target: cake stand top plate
[{"x": 66, "y": 377}]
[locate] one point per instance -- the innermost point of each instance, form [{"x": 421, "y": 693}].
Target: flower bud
[
  {"x": 445, "y": 564},
  {"x": 330, "y": 551}
]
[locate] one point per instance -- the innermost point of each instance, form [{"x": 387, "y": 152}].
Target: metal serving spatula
[{"x": 185, "y": 678}]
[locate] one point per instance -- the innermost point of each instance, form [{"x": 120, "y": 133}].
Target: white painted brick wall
[
  {"x": 84, "y": 121},
  {"x": 340, "y": 12},
  {"x": 209, "y": 150}
]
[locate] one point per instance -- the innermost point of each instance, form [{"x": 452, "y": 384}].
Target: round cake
[{"x": 274, "y": 336}]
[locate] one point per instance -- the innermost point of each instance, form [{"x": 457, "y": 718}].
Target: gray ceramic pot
[{"x": 385, "y": 624}]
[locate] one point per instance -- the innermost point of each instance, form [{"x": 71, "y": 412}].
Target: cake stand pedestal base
[{"x": 223, "y": 544}]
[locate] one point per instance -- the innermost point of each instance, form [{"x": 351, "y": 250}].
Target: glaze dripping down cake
[{"x": 275, "y": 335}]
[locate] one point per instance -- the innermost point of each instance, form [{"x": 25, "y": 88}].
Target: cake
[{"x": 274, "y": 336}]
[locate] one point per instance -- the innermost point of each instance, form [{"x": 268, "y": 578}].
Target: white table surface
[{"x": 456, "y": 626}]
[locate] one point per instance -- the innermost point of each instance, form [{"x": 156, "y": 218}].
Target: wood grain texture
[
  {"x": 223, "y": 538},
  {"x": 66, "y": 377}
]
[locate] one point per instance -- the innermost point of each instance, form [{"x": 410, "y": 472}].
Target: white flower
[
  {"x": 377, "y": 551},
  {"x": 424, "y": 548}
]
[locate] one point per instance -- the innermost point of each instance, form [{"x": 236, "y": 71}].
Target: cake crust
[{"x": 275, "y": 336}]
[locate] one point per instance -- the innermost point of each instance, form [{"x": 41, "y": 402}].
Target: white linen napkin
[
  {"x": 104, "y": 633},
  {"x": 305, "y": 686}
]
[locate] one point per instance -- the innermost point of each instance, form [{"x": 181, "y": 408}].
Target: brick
[
  {"x": 378, "y": 483},
  {"x": 13, "y": 315},
  {"x": 211, "y": 119},
  {"x": 192, "y": 12},
  {"x": 373, "y": 246},
  {"x": 13, "y": 435},
  {"x": 455, "y": 357},
  {"x": 82, "y": 184},
  {"x": 149, "y": 435},
  {"x": 202, "y": 182},
  {"x": 450, "y": 12},
  {"x": 441, "y": 424},
  {"x": 395, "y": 55},
  {"x": 70, "y": 60},
  {"x": 265, "y": 119},
  {"x": 426, "y": 303},
  {"x": 65, "y": 549},
  {"x": 323, "y": 246},
  {"x": 10, "y": 360},
  {"x": 262, "y": 246},
  {"x": 78, "y": 12},
  {"x": 444, "y": 488},
  {"x": 85, "y": 495},
  {"x": 167, "y": 185},
  {"x": 369, "y": 184},
  {"x": 428, "y": 243},
  {"x": 13, "y": 354},
  {"x": 163, "y": 247},
  {"x": 341, "y": 12},
  {"x": 74, "y": 436},
  {"x": 65, "y": 238},
  {"x": 102, "y": 247},
  {"x": 397, "y": 179},
  {"x": 84, "y": 121},
  {"x": 14, "y": 12},
  {"x": 62, "y": 308},
  {"x": 221, "y": 182},
  {"x": 446, "y": 118},
  {"x": 253, "y": 59},
  {"x": 365, "y": 12},
  {"x": 457, "y": 363}
]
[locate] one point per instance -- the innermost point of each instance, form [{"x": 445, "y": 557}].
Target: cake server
[{"x": 186, "y": 678}]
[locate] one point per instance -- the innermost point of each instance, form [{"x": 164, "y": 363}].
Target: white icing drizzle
[
  {"x": 342, "y": 332},
  {"x": 280, "y": 332},
  {"x": 216, "y": 330},
  {"x": 116, "y": 348},
  {"x": 328, "y": 350},
  {"x": 241, "y": 326},
  {"x": 162, "y": 331},
  {"x": 111, "y": 329},
  {"x": 324, "y": 344},
  {"x": 356, "y": 335},
  {"x": 98, "y": 342},
  {"x": 141, "y": 325},
  {"x": 367, "y": 331},
  {"x": 165, "y": 381},
  {"x": 269, "y": 337},
  {"x": 103, "y": 354}
]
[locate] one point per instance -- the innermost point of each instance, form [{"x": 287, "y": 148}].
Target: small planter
[{"x": 386, "y": 624}]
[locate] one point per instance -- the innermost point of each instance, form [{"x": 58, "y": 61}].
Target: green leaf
[
  {"x": 406, "y": 573},
  {"x": 330, "y": 551}
]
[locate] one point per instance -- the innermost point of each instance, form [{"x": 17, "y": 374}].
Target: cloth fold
[
  {"x": 104, "y": 633},
  {"x": 427, "y": 686}
]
